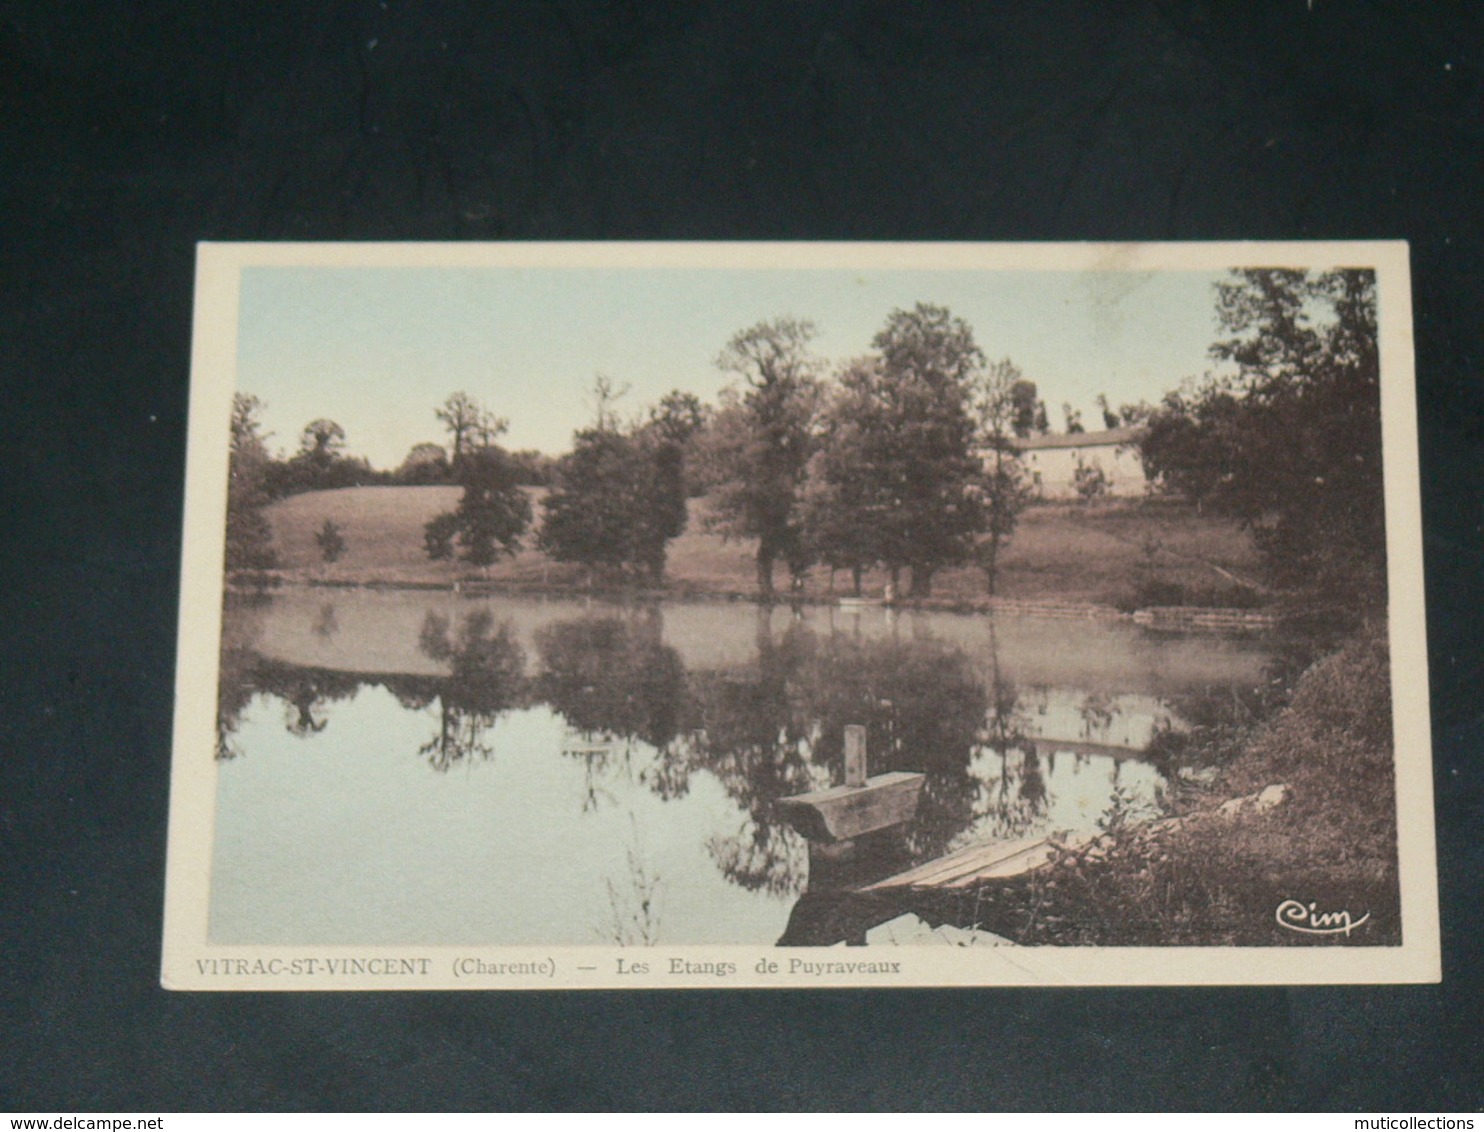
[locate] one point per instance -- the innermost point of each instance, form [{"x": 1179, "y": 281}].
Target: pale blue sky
[{"x": 379, "y": 348}]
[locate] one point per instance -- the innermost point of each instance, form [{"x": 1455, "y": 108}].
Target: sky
[{"x": 378, "y": 349}]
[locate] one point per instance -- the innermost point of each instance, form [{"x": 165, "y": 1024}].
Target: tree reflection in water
[
  {"x": 244, "y": 675},
  {"x": 923, "y": 707},
  {"x": 615, "y": 682},
  {"x": 242, "y": 629},
  {"x": 306, "y": 693},
  {"x": 326, "y": 625},
  {"x": 486, "y": 678},
  {"x": 756, "y": 738},
  {"x": 1011, "y": 802},
  {"x": 234, "y": 691},
  {"x": 1097, "y": 712},
  {"x": 764, "y": 729}
]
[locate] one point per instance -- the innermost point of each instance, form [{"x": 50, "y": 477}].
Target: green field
[{"x": 1061, "y": 552}]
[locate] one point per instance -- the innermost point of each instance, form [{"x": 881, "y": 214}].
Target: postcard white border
[{"x": 190, "y": 962}]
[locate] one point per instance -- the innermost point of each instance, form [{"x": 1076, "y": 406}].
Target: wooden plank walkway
[{"x": 968, "y": 866}]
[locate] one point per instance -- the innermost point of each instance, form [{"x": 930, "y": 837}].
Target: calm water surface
[{"x": 414, "y": 768}]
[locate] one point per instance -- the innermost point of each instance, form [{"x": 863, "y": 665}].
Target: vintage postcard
[{"x": 801, "y": 615}]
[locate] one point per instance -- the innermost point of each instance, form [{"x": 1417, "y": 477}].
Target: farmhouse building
[{"x": 1051, "y": 461}]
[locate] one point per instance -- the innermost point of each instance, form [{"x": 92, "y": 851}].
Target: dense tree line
[
  {"x": 1290, "y": 442},
  {"x": 884, "y": 466},
  {"x": 904, "y": 458},
  {"x": 321, "y": 462}
]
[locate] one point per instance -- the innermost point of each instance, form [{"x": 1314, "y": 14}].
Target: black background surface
[{"x": 130, "y": 131}]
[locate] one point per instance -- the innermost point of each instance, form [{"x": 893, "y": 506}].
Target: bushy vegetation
[
  {"x": 249, "y": 538},
  {"x": 331, "y": 541},
  {"x": 619, "y": 497},
  {"x": 492, "y": 515},
  {"x": 1290, "y": 442},
  {"x": 1091, "y": 481}
]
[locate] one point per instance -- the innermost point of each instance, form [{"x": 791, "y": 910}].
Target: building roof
[{"x": 1131, "y": 434}]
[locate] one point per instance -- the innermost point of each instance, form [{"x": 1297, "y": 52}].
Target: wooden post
[{"x": 855, "y": 755}]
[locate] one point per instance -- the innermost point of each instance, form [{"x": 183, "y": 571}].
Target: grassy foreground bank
[
  {"x": 1103, "y": 553},
  {"x": 1213, "y": 880}
]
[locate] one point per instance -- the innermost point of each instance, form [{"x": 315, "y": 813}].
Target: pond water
[{"x": 424, "y": 768}]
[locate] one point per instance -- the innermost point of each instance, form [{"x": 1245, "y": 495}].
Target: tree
[
  {"x": 659, "y": 498},
  {"x": 678, "y": 417},
  {"x": 1188, "y": 447},
  {"x": 762, "y": 441},
  {"x": 841, "y": 514},
  {"x": 999, "y": 403},
  {"x": 534, "y": 467},
  {"x": 1043, "y": 423},
  {"x": 321, "y": 442},
  {"x": 491, "y": 516},
  {"x": 898, "y": 479},
  {"x": 1072, "y": 417},
  {"x": 494, "y": 511},
  {"x": 605, "y": 395},
  {"x": 1136, "y": 412},
  {"x": 1090, "y": 480},
  {"x": 320, "y": 463},
  {"x": 1111, "y": 419},
  {"x": 487, "y": 429},
  {"x": 1024, "y": 404},
  {"x": 618, "y": 498},
  {"x": 1290, "y": 442},
  {"x": 330, "y": 541},
  {"x": 999, "y": 411},
  {"x": 470, "y": 424},
  {"x": 587, "y": 516},
  {"x": 249, "y": 537},
  {"x": 425, "y": 463},
  {"x": 920, "y": 440},
  {"x": 669, "y": 442},
  {"x": 1007, "y": 494},
  {"x": 438, "y": 535}
]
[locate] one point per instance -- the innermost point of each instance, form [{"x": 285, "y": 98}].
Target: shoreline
[{"x": 1158, "y": 618}]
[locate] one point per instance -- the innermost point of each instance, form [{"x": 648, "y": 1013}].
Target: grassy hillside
[
  {"x": 1060, "y": 552},
  {"x": 382, "y": 528}
]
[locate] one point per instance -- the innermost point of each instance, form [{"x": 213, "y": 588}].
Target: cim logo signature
[{"x": 1297, "y": 916}]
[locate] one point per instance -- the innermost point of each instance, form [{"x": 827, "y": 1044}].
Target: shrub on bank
[{"x": 1154, "y": 593}]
